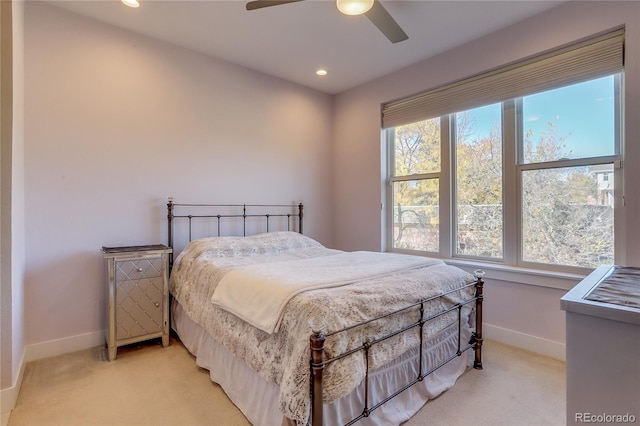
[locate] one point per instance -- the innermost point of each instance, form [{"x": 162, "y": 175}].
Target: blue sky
[{"x": 583, "y": 113}]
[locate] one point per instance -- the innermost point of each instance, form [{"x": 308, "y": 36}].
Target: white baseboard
[
  {"x": 9, "y": 396},
  {"x": 64, "y": 346},
  {"x": 528, "y": 342}
]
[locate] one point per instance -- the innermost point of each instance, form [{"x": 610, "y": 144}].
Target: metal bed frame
[{"x": 318, "y": 360}]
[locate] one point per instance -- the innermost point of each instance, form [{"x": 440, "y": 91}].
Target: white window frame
[{"x": 513, "y": 167}]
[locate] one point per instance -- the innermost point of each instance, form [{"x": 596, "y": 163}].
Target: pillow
[{"x": 256, "y": 245}]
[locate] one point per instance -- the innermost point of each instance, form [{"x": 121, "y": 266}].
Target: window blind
[{"x": 589, "y": 59}]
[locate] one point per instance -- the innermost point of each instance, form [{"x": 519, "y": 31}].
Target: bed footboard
[
  {"x": 476, "y": 338},
  {"x": 318, "y": 361}
]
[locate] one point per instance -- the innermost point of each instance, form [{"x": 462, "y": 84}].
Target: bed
[{"x": 298, "y": 333}]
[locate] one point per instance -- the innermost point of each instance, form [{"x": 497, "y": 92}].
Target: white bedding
[
  {"x": 282, "y": 358},
  {"x": 258, "y": 293}
]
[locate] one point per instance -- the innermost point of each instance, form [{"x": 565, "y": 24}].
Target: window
[
  {"x": 570, "y": 144},
  {"x": 548, "y": 158},
  {"x": 519, "y": 166},
  {"x": 416, "y": 188},
  {"x": 478, "y": 182}
]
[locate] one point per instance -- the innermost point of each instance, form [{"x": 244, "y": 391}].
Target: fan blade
[
  {"x": 385, "y": 23},
  {"x": 259, "y": 4}
]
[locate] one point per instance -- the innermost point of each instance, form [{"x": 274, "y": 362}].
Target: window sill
[{"x": 535, "y": 277}]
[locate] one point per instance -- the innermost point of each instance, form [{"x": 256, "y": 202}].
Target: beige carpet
[{"x": 149, "y": 385}]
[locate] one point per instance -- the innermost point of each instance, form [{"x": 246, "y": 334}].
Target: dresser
[
  {"x": 603, "y": 347},
  {"x": 138, "y": 295}
]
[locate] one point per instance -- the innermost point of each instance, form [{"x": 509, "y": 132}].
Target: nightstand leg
[
  {"x": 165, "y": 340},
  {"x": 112, "y": 352}
]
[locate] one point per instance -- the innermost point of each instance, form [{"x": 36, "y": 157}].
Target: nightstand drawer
[{"x": 139, "y": 268}]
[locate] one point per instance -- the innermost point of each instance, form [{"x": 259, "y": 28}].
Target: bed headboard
[{"x": 229, "y": 219}]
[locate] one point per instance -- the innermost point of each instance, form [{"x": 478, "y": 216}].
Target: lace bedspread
[{"x": 283, "y": 357}]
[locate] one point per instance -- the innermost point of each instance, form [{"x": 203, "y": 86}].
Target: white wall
[
  {"x": 6, "y": 125},
  {"x": 12, "y": 348},
  {"x": 115, "y": 122},
  {"x": 17, "y": 191},
  {"x": 357, "y": 147}
]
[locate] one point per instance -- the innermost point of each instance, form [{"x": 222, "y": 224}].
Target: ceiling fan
[{"x": 373, "y": 9}]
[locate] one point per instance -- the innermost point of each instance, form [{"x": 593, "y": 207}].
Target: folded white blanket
[{"x": 258, "y": 293}]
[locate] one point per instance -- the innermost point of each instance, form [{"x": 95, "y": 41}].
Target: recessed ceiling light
[
  {"x": 131, "y": 3},
  {"x": 321, "y": 72}
]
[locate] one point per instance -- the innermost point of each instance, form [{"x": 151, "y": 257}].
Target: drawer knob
[
  {"x": 157, "y": 305},
  {"x": 139, "y": 269}
]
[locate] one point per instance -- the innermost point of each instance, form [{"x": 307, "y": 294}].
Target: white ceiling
[{"x": 291, "y": 41}]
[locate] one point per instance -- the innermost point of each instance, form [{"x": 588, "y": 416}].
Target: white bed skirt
[{"x": 258, "y": 399}]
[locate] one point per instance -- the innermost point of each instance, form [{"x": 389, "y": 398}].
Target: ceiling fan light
[
  {"x": 354, "y": 7},
  {"x": 131, "y": 3}
]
